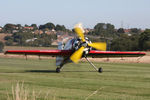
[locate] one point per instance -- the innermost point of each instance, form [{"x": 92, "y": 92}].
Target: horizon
[
  {"x": 72, "y": 27},
  {"x": 120, "y": 13}
]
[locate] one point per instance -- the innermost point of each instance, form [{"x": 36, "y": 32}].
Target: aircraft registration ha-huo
[{"x": 77, "y": 48}]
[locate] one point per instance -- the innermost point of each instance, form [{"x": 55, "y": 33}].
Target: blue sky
[{"x": 131, "y": 13}]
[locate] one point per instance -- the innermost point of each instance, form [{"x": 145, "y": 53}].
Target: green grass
[
  {"x": 27, "y": 48},
  {"x": 119, "y": 81}
]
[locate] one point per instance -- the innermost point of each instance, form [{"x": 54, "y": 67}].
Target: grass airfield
[{"x": 119, "y": 81}]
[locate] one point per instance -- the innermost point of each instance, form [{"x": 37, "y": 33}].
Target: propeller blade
[
  {"x": 99, "y": 45},
  {"x": 79, "y": 30},
  {"x": 76, "y": 56}
]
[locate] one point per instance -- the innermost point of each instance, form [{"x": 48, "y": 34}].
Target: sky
[{"x": 121, "y": 13}]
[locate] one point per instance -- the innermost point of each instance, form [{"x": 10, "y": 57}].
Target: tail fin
[
  {"x": 60, "y": 46},
  {"x": 59, "y": 59}
]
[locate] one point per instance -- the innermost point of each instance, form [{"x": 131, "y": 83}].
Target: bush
[{"x": 1, "y": 46}]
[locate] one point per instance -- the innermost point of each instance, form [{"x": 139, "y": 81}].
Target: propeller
[
  {"x": 98, "y": 45},
  {"x": 79, "y": 30},
  {"x": 76, "y": 56}
]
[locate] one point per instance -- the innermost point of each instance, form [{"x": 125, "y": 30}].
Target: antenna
[
  {"x": 128, "y": 26},
  {"x": 122, "y": 24}
]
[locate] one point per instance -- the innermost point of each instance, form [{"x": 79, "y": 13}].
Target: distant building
[
  {"x": 87, "y": 30},
  {"x": 127, "y": 30},
  {"x": 54, "y": 42},
  {"x": 29, "y": 28},
  {"x": 38, "y": 32},
  {"x": 50, "y": 32},
  {"x": 29, "y": 40},
  {"x": 142, "y": 31},
  {"x": 15, "y": 31},
  {"x": 64, "y": 37},
  {"x": 1, "y": 28}
]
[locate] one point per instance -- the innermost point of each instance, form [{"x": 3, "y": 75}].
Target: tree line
[
  {"x": 119, "y": 40},
  {"x": 8, "y": 28},
  {"x": 133, "y": 39}
]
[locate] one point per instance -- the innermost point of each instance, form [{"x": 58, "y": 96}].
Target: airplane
[{"x": 77, "y": 48}]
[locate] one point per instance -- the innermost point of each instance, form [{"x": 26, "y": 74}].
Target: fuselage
[{"x": 72, "y": 44}]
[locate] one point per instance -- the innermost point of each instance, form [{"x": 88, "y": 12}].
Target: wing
[
  {"x": 104, "y": 54},
  {"x": 92, "y": 53},
  {"x": 41, "y": 52}
]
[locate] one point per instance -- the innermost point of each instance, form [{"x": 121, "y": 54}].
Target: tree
[
  {"x": 41, "y": 27},
  {"x": 26, "y": 25},
  {"x": 60, "y": 28},
  {"x": 20, "y": 38},
  {"x": 9, "y": 42},
  {"x": 50, "y": 26},
  {"x": 47, "y": 25},
  {"x": 110, "y": 28},
  {"x": 135, "y": 30},
  {"x": 99, "y": 29},
  {"x": 134, "y": 42},
  {"x": 19, "y": 25},
  {"x": 9, "y": 27},
  {"x": 7, "y": 37},
  {"x": 144, "y": 40},
  {"x": 125, "y": 43},
  {"x": 104, "y": 30},
  {"x": 120, "y": 30},
  {"x": 34, "y": 26},
  {"x": 146, "y": 45},
  {"x": 1, "y": 46},
  {"x": 44, "y": 40}
]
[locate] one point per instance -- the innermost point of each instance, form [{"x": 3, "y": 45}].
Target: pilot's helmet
[
  {"x": 79, "y": 39},
  {"x": 86, "y": 38}
]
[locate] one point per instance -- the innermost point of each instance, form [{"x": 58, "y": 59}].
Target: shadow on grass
[
  {"x": 54, "y": 71},
  {"x": 41, "y": 71},
  {"x": 86, "y": 71}
]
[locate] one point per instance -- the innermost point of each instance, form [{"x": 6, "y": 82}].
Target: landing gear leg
[
  {"x": 58, "y": 69},
  {"x": 100, "y": 70}
]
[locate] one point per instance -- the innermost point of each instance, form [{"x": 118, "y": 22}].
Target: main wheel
[
  {"x": 100, "y": 70},
  {"x": 57, "y": 70}
]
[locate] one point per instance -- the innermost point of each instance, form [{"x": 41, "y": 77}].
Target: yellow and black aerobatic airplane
[{"x": 75, "y": 49}]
